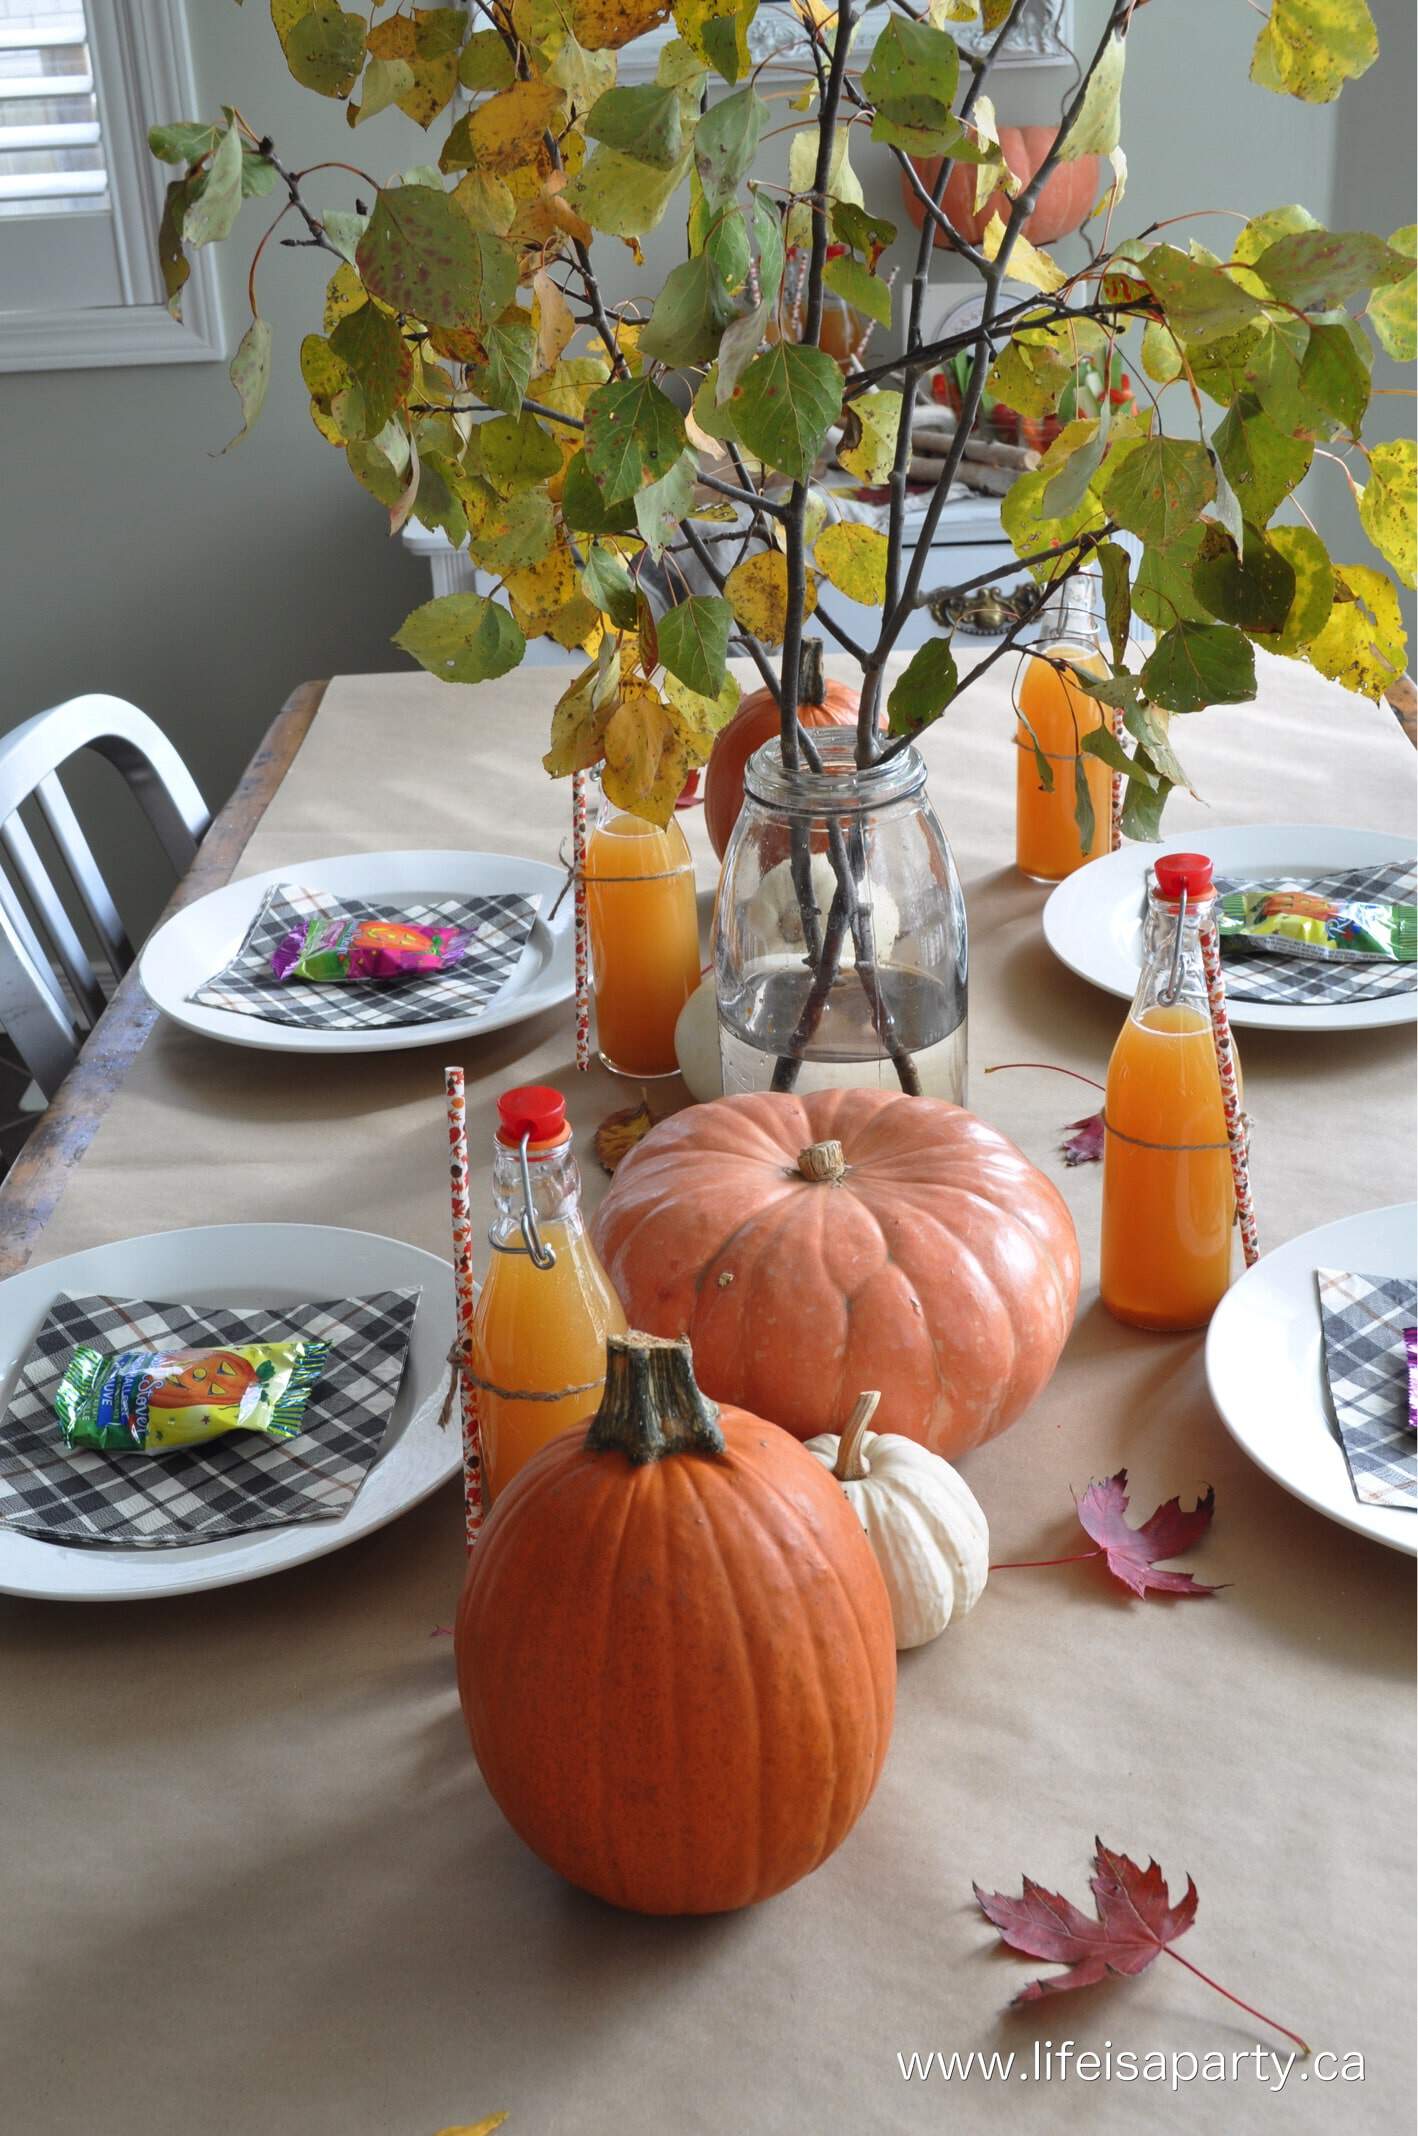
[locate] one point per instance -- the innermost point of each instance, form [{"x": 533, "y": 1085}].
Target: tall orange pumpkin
[
  {"x": 812, "y": 1246},
  {"x": 1065, "y": 199},
  {"x": 823, "y": 704},
  {"x": 675, "y": 1649}
]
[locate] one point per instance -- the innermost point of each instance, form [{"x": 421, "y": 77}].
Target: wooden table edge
[{"x": 35, "y": 1184}]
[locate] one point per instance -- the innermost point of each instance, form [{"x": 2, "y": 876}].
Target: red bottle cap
[
  {"x": 1191, "y": 872},
  {"x": 534, "y": 1110}
]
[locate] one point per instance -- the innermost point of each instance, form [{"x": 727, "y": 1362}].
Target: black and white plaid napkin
[
  {"x": 1366, "y": 1365},
  {"x": 498, "y": 924},
  {"x": 226, "y": 1486},
  {"x": 1270, "y": 975}
]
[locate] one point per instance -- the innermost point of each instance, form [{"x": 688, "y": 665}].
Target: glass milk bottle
[
  {"x": 1168, "y": 1196},
  {"x": 1055, "y": 714},
  {"x": 546, "y": 1304}
]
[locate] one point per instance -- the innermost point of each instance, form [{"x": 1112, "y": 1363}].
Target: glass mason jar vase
[{"x": 839, "y": 930}]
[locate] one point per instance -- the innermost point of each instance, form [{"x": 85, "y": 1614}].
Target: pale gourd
[
  {"x": 924, "y": 1523},
  {"x": 697, "y": 1043}
]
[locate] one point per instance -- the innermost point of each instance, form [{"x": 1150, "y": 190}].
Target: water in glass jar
[{"x": 755, "y": 1027}]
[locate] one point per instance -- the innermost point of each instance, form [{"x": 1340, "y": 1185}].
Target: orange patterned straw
[
  {"x": 1236, "y": 1134},
  {"x": 1116, "y": 838},
  {"x": 583, "y": 962},
  {"x": 463, "y": 1295}
]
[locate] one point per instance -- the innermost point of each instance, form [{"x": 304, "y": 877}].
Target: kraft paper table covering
[{"x": 253, "y": 1881}]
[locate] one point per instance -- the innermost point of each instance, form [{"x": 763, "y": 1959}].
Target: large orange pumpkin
[
  {"x": 675, "y": 1649},
  {"x": 1065, "y": 199},
  {"x": 824, "y": 704},
  {"x": 812, "y": 1246}
]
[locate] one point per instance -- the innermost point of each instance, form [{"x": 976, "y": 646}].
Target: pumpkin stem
[
  {"x": 652, "y": 1405},
  {"x": 823, "y": 1161},
  {"x": 851, "y": 1467},
  {"x": 812, "y": 682}
]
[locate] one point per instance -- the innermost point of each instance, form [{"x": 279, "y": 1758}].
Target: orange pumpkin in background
[
  {"x": 823, "y": 704},
  {"x": 1065, "y": 200},
  {"x": 675, "y": 1651},
  {"x": 813, "y": 1246}
]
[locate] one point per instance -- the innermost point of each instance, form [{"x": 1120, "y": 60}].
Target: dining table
[{"x": 253, "y": 1883}]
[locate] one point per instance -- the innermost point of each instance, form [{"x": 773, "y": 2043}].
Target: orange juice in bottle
[
  {"x": 643, "y": 920},
  {"x": 1168, "y": 1197},
  {"x": 546, "y": 1304},
  {"x": 1055, "y": 714}
]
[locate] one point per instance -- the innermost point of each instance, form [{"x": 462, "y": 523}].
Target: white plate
[
  {"x": 203, "y": 938},
  {"x": 242, "y": 1264},
  {"x": 1265, "y": 1365},
  {"x": 1093, "y": 919}
]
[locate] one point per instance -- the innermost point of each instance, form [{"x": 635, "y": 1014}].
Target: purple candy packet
[{"x": 335, "y": 951}]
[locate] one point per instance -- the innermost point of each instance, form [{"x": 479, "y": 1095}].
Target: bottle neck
[
  {"x": 556, "y": 1190},
  {"x": 1071, "y": 616},
  {"x": 1173, "y": 973}
]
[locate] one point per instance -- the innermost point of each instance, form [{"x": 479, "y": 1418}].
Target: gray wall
[{"x": 206, "y": 588}]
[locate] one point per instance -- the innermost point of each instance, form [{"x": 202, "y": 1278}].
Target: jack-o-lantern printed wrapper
[
  {"x": 1305, "y": 922},
  {"x": 148, "y": 1401},
  {"x": 336, "y": 951}
]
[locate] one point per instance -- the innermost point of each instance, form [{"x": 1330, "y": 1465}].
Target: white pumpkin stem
[
  {"x": 850, "y": 1466},
  {"x": 823, "y": 1161}
]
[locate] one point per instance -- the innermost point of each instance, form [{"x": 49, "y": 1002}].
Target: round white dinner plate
[
  {"x": 242, "y": 1264},
  {"x": 202, "y": 939},
  {"x": 1265, "y": 1364},
  {"x": 1093, "y": 919}
]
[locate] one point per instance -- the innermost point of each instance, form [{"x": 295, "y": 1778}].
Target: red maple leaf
[
  {"x": 1135, "y": 1921},
  {"x": 1083, "y": 1143},
  {"x": 1132, "y": 1553}
]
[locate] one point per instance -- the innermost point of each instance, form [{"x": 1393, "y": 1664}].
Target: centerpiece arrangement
[{"x": 650, "y": 483}]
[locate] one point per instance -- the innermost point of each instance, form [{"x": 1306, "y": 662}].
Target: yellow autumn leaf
[
  {"x": 486, "y": 201},
  {"x": 619, "y": 1132},
  {"x": 476, "y": 2128},
  {"x": 647, "y": 762},
  {"x": 344, "y": 293},
  {"x": 702, "y": 717},
  {"x": 578, "y": 723},
  {"x": 1388, "y": 504},
  {"x": 541, "y": 590},
  {"x": 507, "y": 130},
  {"x": 1362, "y": 646},
  {"x": 869, "y": 427},
  {"x": 605, "y": 25},
  {"x": 854, "y": 559},
  {"x": 1311, "y": 48},
  {"x": 552, "y": 319},
  {"x": 1026, "y": 263},
  {"x": 757, "y": 591}
]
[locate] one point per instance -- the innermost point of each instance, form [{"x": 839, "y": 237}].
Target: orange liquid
[
  {"x": 1167, "y": 1214},
  {"x": 1047, "y": 842},
  {"x": 644, "y": 931},
  {"x": 540, "y": 1329}
]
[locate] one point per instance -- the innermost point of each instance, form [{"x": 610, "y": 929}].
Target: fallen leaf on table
[
  {"x": 619, "y": 1132},
  {"x": 1135, "y": 1922},
  {"x": 476, "y": 2128},
  {"x": 1132, "y": 1553},
  {"x": 1083, "y": 1143}
]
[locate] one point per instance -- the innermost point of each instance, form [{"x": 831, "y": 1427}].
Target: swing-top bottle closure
[
  {"x": 532, "y": 1130},
  {"x": 1180, "y": 898}
]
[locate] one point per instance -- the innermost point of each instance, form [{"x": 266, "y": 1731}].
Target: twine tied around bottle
[{"x": 461, "y": 1370}]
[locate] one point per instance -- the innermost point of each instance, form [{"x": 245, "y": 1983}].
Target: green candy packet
[
  {"x": 148, "y": 1401},
  {"x": 1306, "y": 923}
]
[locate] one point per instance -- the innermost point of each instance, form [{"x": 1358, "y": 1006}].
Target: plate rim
[
  {"x": 310, "y": 1539},
  {"x": 1368, "y": 1521},
  {"x": 1385, "y": 1015},
  {"x": 557, "y": 985}
]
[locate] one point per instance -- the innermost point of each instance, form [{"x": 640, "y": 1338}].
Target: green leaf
[
  {"x": 787, "y": 401},
  {"x": 1260, "y": 462},
  {"x": 186, "y": 142},
  {"x": 369, "y": 344},
  {"x": 645, "y": 122},
  {"x": 1393, "y": 312},
  {"x": 726, "y": 142},
  {"x": 634, "y": 434},
  {"x": 1200, "y": 300},
  {"x": 911, "y": 78},
  {"x": 510, "y": 533},
  {"x": 858, "y": 286},
  {"x": 485, "y": 63},
  {"x": 325, "y": 50},
  {"x": 215, "y": 198},
  {"x": 1261, "y": 232},
  {"x": 1117, "y": 597},
  {"x": 462, "y": 638},
  {"x": 924, "y": 687},
  {"x": 842, "y": 181},
  {"x": 585, "y": 510},
  {"x": 1253, "y": 590},
  {"x": 869, "y": 428},
  {"x": 1317, "y": 270},
  {"x": 172, "y": 260},
  {"x": 385, "y": 82},
  {"x": 1160, "y": 488},
  {"x": 502, "y": 377},
  {"x": 1067, "y": 489},
  {"x": 661, "y": 506},
  {"x": 250, "y": 373},
  {"x": 1387, "y": 504},
  {"x": 1083, "y": 812},
  {"x": 1162, "y": 592},
  {"x": 1161, "y": 358},
  {"x": 690, "y": 314},
  {"x": 694, "y": 642},
  {"x": 258, "y": 175},
  {"x": 1102, "y": 743},
  {"x": 1200, "y": 664},
  {"x": 1334, "y": 372},
  {"x": 344, "y": 231},
  {"x": 621, "y": 196},
  {"x": 422, "y": 257},
  {"x": 1225, "y": 507},
  {"x": 1098, "y": 128},
  {"x": 515, "y": 452},
  {"x": 1311, "y": 48},
  {"x": 607, "y": 582},
  {"x": 1313, "y": 598},
  {"x": 867, "y": 234}
]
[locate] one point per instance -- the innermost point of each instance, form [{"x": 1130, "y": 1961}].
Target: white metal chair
[{"x": 45, "y": 1015}]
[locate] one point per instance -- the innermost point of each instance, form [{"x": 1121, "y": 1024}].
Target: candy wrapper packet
[
  {"x": 149, "y": 1401},
  {"x": 335, "y": 951},
  {"x": 1306, "y": 923}
]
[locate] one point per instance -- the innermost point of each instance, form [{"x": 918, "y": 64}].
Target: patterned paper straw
[
  {"x": 1116, "y": 838},
  {"x": 583, "y": 962},
  {"x": 463, "y": 1295},
  {"x": 1230, "y": 1093}
]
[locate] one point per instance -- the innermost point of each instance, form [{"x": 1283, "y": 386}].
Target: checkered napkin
[
  {"x": 499, "y": 926},
  {"x": 1366, "y": 1364},
  {"x": 229, "y": 1485},
  {"x": 1270, "y": 975}
]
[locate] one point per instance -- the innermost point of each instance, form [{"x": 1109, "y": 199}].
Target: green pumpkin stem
[{"x": 652, "y": 1406}]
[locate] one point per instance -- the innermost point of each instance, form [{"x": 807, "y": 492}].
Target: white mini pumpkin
[
  {"x": 697, "y": 1043},
  {"x": 924, "y": 1523}
]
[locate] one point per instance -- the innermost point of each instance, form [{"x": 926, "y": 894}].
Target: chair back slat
[
  {"x": 34, "y": 1018},
  {"x": 54, "y": 921},
  {"x": 84, "y": 873}
]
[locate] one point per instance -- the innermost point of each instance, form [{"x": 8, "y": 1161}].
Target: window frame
[{"x": 143, "y": 77}]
